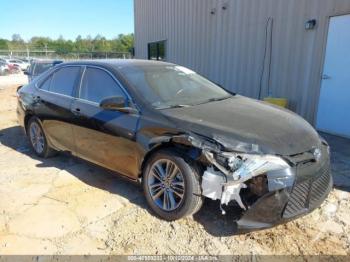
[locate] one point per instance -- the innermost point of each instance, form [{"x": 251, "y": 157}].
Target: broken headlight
[
  {"x": 238, "y": 171},
  {"x": 246, "y": 166}
]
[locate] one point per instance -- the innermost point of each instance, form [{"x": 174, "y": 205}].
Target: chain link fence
[{"x": 49, "y": 54}]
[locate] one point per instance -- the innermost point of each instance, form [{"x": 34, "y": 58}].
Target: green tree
[
  {"x": 39, "y": 42},
  {"x": 3, "y": 44},
  {"x": 17, "y": 42},
  {"x": 123, "y": 43}
]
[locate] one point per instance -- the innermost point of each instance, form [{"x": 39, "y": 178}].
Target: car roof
[
  {"x": 46, "y": 61},
  {"x": 117, "y": 62}
]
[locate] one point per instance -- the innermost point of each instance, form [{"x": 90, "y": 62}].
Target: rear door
[
  {"x": 54, "y": 98},
  {"x": 105, "y": 137}
]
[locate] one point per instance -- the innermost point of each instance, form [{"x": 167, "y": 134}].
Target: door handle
[
  {"x": 326, "y": 77},
  {"x": 76, "y": 111}
]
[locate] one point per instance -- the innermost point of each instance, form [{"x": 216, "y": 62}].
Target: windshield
[{"x": 166, "y": 86}]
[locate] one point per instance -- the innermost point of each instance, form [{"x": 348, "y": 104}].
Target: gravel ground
[
  {"x": 67, "y": 206},
  {"x": 12, "y": 80}
]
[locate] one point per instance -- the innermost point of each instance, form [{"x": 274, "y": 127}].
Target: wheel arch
[
  {"x": 27, "y": 117},
  {"x": 192, "y": 200},
  {"x": 190, "y": 152}
]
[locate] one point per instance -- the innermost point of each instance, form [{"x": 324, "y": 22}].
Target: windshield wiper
[
  {"x": 173, "y": 106},
  {"x": 215, "y": 100},
  {"x": 182, "y": 106}
]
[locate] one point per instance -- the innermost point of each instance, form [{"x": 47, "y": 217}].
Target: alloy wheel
[
  {"x": 36, "y": 137},
  {"x": 166, "y": 184}
]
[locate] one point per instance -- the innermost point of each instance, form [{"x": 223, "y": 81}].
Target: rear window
[
  {"x": 64, "y": 80},
  {"x": 46, "y": 84},
  {"x": 41, "y": 68},
  {"x": 98, "y": 85}
]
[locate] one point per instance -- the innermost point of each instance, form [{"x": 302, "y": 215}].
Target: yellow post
[{"x": 282, "y": 102}]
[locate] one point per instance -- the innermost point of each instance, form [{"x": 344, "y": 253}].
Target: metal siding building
[{"x": 225, "y": 40}]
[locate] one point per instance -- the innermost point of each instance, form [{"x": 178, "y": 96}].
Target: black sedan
[{"x": 183, "y": 137}]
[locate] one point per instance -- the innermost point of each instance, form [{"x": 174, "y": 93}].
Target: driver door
[{"x": 104, "y": 137}]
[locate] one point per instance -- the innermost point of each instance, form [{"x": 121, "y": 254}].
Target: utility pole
[{"x": 46, "y": 50}]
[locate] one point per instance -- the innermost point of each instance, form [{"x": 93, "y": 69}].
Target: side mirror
[{"x": 117, "y": 103}]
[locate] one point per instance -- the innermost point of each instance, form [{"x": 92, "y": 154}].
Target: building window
[{"x": 156, "y": 51}]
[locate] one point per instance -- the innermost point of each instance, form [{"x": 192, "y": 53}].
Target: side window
[
  {"x": 46, "y": 84},
  {"x": 64, "y": 80},
  {"x": 157, "y": 51},
  {"x": 98, "y": 85}
]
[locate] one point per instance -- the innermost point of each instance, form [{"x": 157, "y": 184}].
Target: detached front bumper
[{"x": 313, "y": 182}]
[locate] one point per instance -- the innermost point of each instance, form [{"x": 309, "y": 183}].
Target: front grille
[
  {"x": 319, "y": 188},
  {"x": 309, "y": 193},
  {"x": 298, "y": 199}
]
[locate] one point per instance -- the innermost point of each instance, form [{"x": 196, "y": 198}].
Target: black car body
[{"x": 267, "y": 161}]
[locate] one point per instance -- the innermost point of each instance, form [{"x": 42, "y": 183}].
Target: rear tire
[
  {"x": 172, "y": 185},
  {"x": 37, "y": 139}
]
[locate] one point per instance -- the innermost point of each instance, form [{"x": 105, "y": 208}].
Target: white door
[{"x": 334, "y": 104}]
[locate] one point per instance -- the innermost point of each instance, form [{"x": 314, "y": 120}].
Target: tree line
[{"x": 122, "y": 43}]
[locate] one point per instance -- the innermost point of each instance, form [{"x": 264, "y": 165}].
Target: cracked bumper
[{"x": 312, "y": 186}]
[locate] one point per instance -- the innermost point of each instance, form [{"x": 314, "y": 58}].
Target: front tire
[
  {"x": 38, "y": 139},
  {"x": 172, "y": 185}
]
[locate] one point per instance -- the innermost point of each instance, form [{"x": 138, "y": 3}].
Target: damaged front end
[
  {"x": 262, "y": 185},
  {"x": 244, "y": 178}
]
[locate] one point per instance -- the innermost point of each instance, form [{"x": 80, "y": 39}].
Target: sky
[{"x": 69, "y": 18}]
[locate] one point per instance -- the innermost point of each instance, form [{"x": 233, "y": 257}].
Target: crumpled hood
[{"x": 239, "y": 119}]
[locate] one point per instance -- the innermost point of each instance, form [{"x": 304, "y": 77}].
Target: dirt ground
[{"x": 67, "y": 206}]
